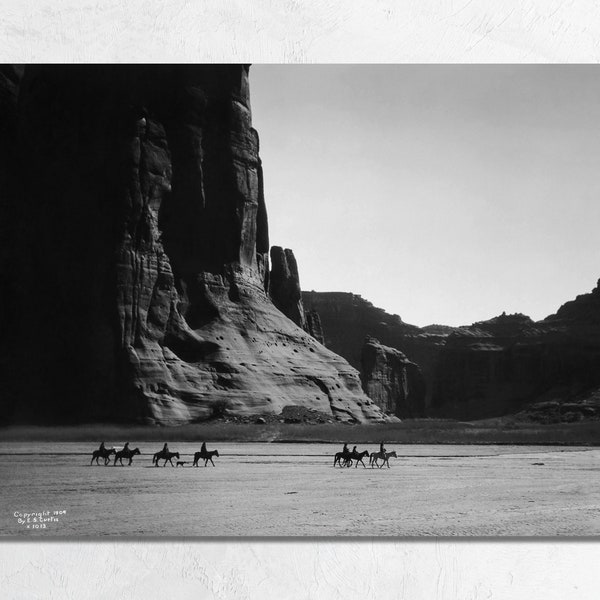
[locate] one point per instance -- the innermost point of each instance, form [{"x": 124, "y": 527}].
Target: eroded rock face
[
  {"x": 314, "y": 326},
  {"x": 147, "y": 247},
  {"x": 285, "y": 292},
  {"x": 392, "y": 381},
  {"x": 499, "y": 366},
  {"x": 347, "y": 319},
  {"x": 487, "y": 369},
  {"x": 284, "y": 285}
]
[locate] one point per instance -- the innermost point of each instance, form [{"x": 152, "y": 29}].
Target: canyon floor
[{"x": 266, "y": 489}]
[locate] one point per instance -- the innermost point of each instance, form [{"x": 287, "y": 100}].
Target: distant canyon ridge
[
  {"x": 139, "y": 285},
  {"x": 546, "y": 371}
]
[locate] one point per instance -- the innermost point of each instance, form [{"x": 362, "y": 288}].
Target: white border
[
  {"x": 300, "y": 31},
  {"x": 380, "y": 570}
]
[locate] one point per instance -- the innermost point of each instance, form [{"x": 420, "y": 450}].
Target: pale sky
[{"x": 442, "y": 193}]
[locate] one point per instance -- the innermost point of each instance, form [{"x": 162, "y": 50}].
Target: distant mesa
[{"x": 506, "y": 365}]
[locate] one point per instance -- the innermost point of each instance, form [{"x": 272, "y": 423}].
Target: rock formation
[
  {"x": 392, "y": 381},
  {"x": 347, "y": 319},
  {"x": 314, "y": 326},
  {"x": 482, "y": 370},
  {"x": 143, "y": 264},
  {"x": 491, "y": 368},
  {"x": 502, "y": 365},
  {"x": 284, "y": 285},
  {"x": 285, "y": 292}
]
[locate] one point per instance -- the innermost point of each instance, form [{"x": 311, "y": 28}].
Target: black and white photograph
[{"x": 282, "y": 300}]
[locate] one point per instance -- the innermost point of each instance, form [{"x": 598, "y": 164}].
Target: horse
[
  {"x": 375, "y": 456},
  {"x": 341, "y": 458},
  {"x": 385, "y": 456},
  {"x": 206, "y": 456},
  {"x": 166, "y": 455},
  {"x": 158, "y": 455},
  {"x": 121, "y": 454},
  {"x": 358, "y": 457},
  {"x": 96, "y": 454}
]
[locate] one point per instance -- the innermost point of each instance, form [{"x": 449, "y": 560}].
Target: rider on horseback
[
  {"x": 351, "y": 455},
  {"x": 126, "y": 447},
  {"x": 381, "y": 449},
  {"x": 102, "y": 448},
  {"x": 203, "y": 448},
  {"x": 345, "y": 449},
  {"x": 165, "y": 448}
]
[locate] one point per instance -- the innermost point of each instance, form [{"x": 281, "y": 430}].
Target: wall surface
[
  {"x": 311, "y": 31},
  {"x": 370, "y": 570}
]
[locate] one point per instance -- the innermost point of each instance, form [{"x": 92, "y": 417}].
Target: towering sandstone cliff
[{"x": 141, "y": 258}]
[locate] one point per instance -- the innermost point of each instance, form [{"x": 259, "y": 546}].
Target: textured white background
[{"x": 297, "y": 31}]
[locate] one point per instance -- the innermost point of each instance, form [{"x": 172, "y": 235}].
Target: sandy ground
[{"x": 293, "y": 490}]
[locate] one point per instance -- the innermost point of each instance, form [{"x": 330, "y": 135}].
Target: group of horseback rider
[
  {"x": 345, "y": 458},
  {"x": 125, "y": 447},
  {"x": 125, "y": 452},
  {"x": 105, "y": 453},
  {"x": 345, "y": 450},
  {"x": 165, "y": 447}
]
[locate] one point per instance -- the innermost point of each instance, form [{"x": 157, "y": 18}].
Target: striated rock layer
[
  {"x": 491, "y": 368},
  {"x": 143, "y": 266},
  {"x": 284, "y": 285},
  {"x": 392, "y": 381},
  {"x": 347, "y": 319},
  {"x": 285, "y": 292},
  {"x": 502, "y": 365}
]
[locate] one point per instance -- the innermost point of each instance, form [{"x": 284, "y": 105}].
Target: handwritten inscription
[{"x": 39, "y": 520}]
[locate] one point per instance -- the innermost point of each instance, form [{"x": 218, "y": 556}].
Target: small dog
[{"x": 181, "y": 463}]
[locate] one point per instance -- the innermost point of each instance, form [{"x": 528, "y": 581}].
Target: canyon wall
[
  {"x": 284, "y": 285},
  {"x": 139, "y": 284},
  {"x": 285, "y": 292},
  {"x": 392, "y": 381},
  {"x": 506, "y": 365},
  {"x": 142, "y": 260},
  {"x": 347, "y": 320}
]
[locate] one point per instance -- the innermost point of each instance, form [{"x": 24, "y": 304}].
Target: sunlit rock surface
[
  {"x": 143, "y": 260},
  {"x": 392, "y": 381}
]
